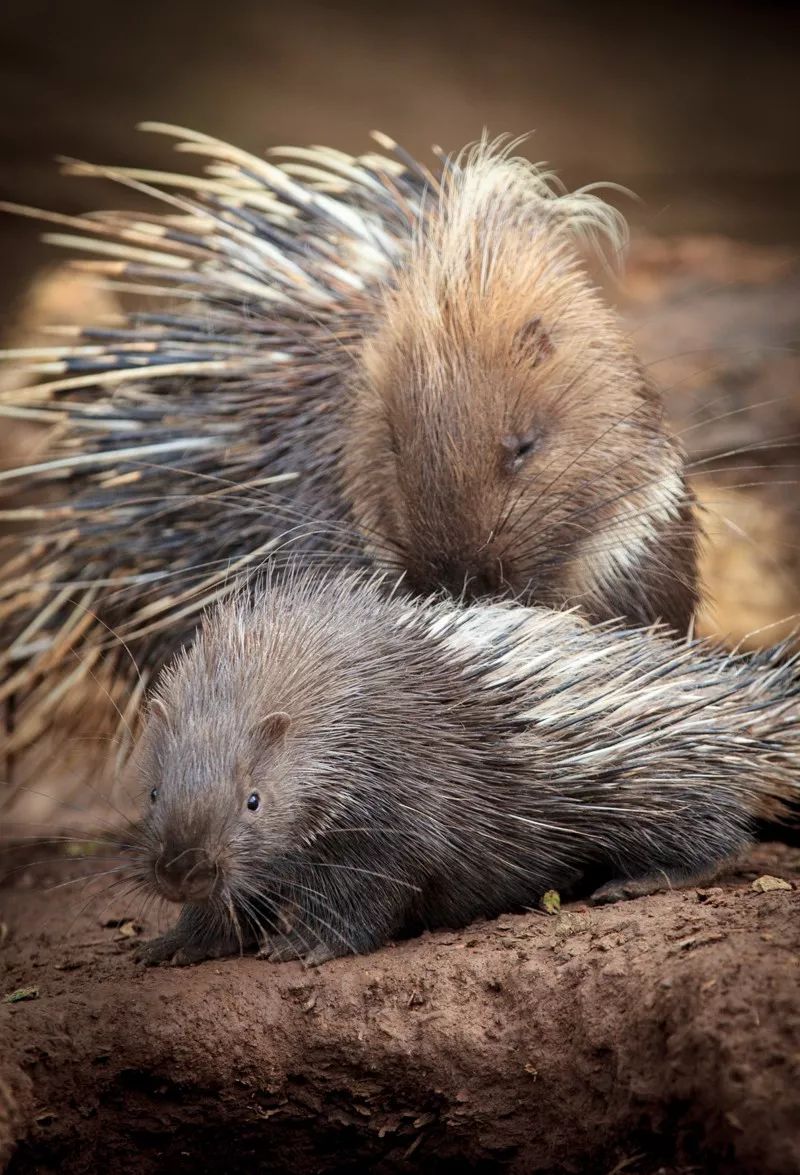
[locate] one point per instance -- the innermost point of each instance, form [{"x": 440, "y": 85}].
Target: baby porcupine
[
  {"x": 359, "y": 344},
  {"x": 327, "y": 767}
]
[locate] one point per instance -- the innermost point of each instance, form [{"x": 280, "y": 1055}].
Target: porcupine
[
  {"x": 329, "y": 766},
  {"x": 361, "y": 343}
]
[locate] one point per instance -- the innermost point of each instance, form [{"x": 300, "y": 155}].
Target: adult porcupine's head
[{"x": 505, "y": 438}]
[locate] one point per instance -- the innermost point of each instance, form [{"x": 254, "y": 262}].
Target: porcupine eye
[
  {"x": 519, "y": 448},
  {"x": 394, "y": 444},
  {"x": 253, "y": 801},
  {"x": 154, "y": 795}
]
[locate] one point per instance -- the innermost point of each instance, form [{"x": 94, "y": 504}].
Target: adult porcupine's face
[
  {"x": 503, "y": 438},
  {"x": 523, "y": 456}
]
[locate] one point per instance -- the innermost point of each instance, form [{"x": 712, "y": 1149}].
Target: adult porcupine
[
  {"x": 327, "y": 766},
  {"x": 360, "y": 341}
]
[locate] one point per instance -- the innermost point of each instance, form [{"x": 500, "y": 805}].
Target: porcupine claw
[
  {"x": 290, "y": 948},
  {"x": 172, "y": 950}
]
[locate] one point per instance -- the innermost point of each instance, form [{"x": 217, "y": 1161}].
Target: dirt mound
[{"x": 660, "y": 1035}]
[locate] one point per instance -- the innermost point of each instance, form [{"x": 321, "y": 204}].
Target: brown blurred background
[{"x": 692, "y": 106}]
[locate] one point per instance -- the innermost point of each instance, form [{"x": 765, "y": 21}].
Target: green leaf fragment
[
  {"x": 551, "y": 901},
  {"x": 22, "y": 993}
]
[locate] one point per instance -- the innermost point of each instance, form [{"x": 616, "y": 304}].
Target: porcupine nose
[
  {"x": 185, "y": 875},
  {"x": 474, "y": 580}
]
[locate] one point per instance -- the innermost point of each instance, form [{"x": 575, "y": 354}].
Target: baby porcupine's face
[{"x": 220, "y": 799}]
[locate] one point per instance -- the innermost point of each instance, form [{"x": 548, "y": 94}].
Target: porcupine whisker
[
  {"x": 110, "y": 837},
  {"x": 727, "y": 349},
  {"x": 688, "y": 295},
  {"x": 120, "y": 892},
  {"x": 727, "y": 470},
  {"x": 234, "y": 919},
  {"x": 112, "y": 830},
  {"x": 253, "y": 919},
  {"x": 333, "y": 558},
  {"x": 680, "y": 299},
  {"x": 294, "y": 885},
  {"x": 721, "y": 397},
  {"x": 86, "y": 877},
  {"x": 15, "y": 787},
  {"x": 121, "y": 865},
  {"x": 34, "y": 839},
  {"x": 683, "y": 432},
  {"x": 577, "y": 459},
  {"x": 7, "y": 873},
  {"x": 366, "y": 872},
  {"x": 94, "y": 677},
  {"x": 621, "y": 519},
  {"x": 737, "y": 529},
  {"x": 506, "y": 509},
  {"x": 245, "y": 893},
  {"x": 337, "y": 527},
  {"x": 112, "y": 888},
  {"x": 702, "y": 421},
  {"x": 785, "y": 441},
  {"x": 768, "y": 445},
  {"x": 597, "y": 506},
  {"x": 135, "y": 889}
]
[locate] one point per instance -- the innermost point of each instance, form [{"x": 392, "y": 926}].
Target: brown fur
[{"x": 503, "y": 437}]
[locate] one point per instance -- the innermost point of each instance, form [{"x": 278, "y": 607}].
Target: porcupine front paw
[
  {"x": 290, "y": 948},
  {"x": 176, "y": 951}
]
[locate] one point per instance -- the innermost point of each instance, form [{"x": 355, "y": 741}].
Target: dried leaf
[
  {"x": 766, "y": 883},
  {"x": 551, "y": 901},
  {"x": 129, "y": 929}
]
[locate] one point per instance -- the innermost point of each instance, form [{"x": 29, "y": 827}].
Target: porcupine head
[
  {"x": 231, "y": 734},
  {"x": 505, "y": 440}
]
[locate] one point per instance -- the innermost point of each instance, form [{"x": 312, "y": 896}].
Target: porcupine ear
[
  {"x": 157, "y": 707},
  {"x": 532, "y": 339},
  {"x": 275, "y": 726}
]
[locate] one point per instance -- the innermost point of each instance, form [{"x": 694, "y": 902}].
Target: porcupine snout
[
  {"x": 185, "y": 875},
  {"x": 470, "y": 579}
]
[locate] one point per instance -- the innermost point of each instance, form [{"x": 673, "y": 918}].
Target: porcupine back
[
  {"x": 190, "y": 439},
  {"x": 415, "y": 763}
]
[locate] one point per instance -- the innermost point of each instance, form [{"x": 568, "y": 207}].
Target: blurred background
[{"x": 693, "y": 107}]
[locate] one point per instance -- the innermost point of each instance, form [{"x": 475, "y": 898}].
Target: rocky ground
[{"x": 661, "y": 1035}]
